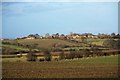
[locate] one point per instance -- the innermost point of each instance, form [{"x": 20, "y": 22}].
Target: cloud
[
  {"x": 11, "y": 8},
  {"x": 18, "y": 8}
]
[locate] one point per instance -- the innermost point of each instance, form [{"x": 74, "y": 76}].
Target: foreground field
[{"x": 78, "y": 68}]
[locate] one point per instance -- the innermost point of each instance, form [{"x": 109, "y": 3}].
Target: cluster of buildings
[
  {"x": 62, "y": 36},
  {"x": 70, "y": 36},
  {"x": 27, "y": 37}
]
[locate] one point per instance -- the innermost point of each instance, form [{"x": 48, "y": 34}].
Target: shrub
[
  {"x": 65, "y": 46},
  {"x": 55, "y": 59},
  {"x": 31, "y": 56},
  {"x": 78, "y": 55},
  {"x": 72, "y": 49},
  {"x": 42, "y": 59},
  {"x": 47, "y": 55},
  {"x": 61, "y": 55},
  {"x": 71, "y": 55},
  {"x": 106, "y": 54},
  {"x": 67, "y": 56}
]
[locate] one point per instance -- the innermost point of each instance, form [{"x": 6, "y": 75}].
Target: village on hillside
[
  {"x": 70, "y": 36},
  {"x": 58, "y": 50}
]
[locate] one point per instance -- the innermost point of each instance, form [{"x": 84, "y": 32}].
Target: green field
[
  {"x": 18, "y": 48},
  {"x": 98, "y": 67},
  {"x": 42, "y": 43},
  {"x": 48, "y": 43},
  {"x": 93, "y": 41}
]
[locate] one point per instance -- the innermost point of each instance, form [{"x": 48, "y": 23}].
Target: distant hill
[
  {"x": 46, "y": 43},
  {"x": 43, "y": 43}
]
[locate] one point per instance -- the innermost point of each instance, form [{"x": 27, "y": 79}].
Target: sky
[
  {"x": 23, "y": 18},
  {"x": 60, "y": 0}
]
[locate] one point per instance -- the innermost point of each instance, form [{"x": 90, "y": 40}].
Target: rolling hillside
[{"x": 42, "y": 43}]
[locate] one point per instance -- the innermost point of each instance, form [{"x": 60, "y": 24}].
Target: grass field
[
  {"x": 96, "y": 41},
  {"x": 42, "y": 43},
  {"x": 78, "y": 68},
  {"x": 18, "y": 48},
  {"x": 93, "y": 41},
  {"x": 48, "y": 43}
]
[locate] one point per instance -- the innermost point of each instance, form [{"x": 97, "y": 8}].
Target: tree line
[{"x": 71, "y": 55}]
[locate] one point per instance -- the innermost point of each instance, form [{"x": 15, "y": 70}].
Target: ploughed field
[{"x": 96, "y": 67}]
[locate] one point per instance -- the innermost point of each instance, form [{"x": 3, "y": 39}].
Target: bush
[
  {"x": 41, "y": 59},
  {"x": 71, "y": 55},
  {"x": 61, "y": 55},
  {"x": 78, "y": 55},
  {"x": 72, "y": 49},
  {"x": 65, "y": 46},
  {"x": 31, "y": 56},
  {"x": 56, "y": 49},
  {"x": 106, "y": 54},
  {"x": 67, "y": 56},
  {"x": 47, "y": 55}
]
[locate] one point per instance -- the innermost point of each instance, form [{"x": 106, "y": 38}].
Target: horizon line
[{"x": 60, "y": 34}]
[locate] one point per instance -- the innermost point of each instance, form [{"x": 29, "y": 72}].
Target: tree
[
  {"x": 37, "y": 36},
  {"x": 118, "y": 35},
  {"x": 95, "y": 51},
  {"x": 61, "y": 55},
  {"x": 113, "y": 35},
  {"x": 31, "y": 56},
  {"x": 57, "y": 35},
  {"x": 47, "y": 35},
  {"x": 31, "y": 35},
  {"x": 71, "y": 55},
  {"x": 47, "y": 55},
  {"x": 62, "y": 35}
]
